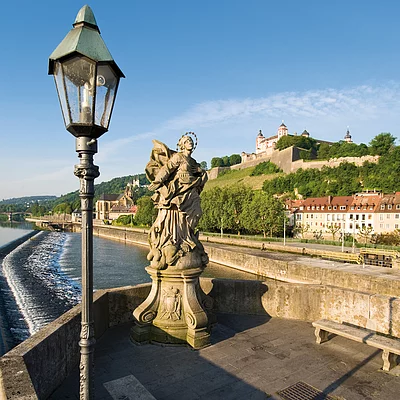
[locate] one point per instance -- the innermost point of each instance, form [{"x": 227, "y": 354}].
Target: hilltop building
[{"x": 268, "y": 144}]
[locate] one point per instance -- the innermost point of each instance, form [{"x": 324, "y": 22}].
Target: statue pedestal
[{"x": 174, "y": 312}]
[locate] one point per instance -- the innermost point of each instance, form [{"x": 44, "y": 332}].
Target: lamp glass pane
[
  {"x": 106, "y": 83},
  {"x": 58, "y": 78},
  {"x": 79, "y": 77}
]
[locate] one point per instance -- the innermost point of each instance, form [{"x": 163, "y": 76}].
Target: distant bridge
[{"x": 11, "y": 213}]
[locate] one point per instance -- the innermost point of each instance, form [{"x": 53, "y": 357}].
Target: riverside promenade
[
  {"x": 251, "y": 357},
  {"x": 263, "y": 342}
]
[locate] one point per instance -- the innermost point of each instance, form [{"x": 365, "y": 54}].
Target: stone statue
[
  {"x": 176, "y": 310},
  {"x": 177, "y": 180}
]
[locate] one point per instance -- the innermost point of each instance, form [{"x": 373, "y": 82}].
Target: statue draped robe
[{"x": 179, "y": 180}]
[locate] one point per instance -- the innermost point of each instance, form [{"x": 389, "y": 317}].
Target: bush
[{"x": 265, "y": 168}]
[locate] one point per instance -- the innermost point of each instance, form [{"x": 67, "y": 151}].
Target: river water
[{"x": 41, "y": 279}]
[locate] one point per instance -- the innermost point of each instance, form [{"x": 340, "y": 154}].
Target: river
[{"x": 40, "y": 279}]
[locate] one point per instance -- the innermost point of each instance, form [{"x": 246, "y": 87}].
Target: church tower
[
  {"x": 347, "y": 136},
  {"x": 282, "y": 130},
  {"x": 260, "y": 142}
]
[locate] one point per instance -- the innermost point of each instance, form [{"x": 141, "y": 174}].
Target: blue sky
[{"x": 223, "y": 69}]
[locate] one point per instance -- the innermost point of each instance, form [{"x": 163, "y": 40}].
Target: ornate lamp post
[{"x": 86, "y": 78}]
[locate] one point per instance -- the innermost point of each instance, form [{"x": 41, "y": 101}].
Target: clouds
[
  {"x": 224, "y": 126},
  {"x": 362, "y": 102}
]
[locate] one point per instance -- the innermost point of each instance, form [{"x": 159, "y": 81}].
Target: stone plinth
[{"x": 175, "y": 310}]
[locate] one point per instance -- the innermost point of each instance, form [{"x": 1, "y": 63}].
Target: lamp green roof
[{"x": 84, "y": 39}]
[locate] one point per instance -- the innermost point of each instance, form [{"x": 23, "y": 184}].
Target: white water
[{"x": 39, "y": 287}]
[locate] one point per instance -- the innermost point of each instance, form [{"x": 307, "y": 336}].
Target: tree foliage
[
  {"x": 265, "y": 168},
  {"x": 226, "y": 161},
  {"x": 146, "y": 212},
  {"x": 299, "y": 141},
  {"x": 382, "y": 143},
  {"x": 238, "y": 208},
  {"x": 263, "y": 214}
]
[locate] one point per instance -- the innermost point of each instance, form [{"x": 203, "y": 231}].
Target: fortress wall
[{"x": 289, "y": 161}]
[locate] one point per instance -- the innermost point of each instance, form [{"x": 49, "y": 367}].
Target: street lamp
[{"x": 86, "y": 78}]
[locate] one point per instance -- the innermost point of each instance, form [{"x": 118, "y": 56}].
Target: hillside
[
  {"x": 26, "y": 200},
  {"x": 240, "y": 176},
  {"x": 114, "y": 186}
]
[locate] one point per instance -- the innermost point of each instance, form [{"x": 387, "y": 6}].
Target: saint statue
[{"x": 177, "y": 180}]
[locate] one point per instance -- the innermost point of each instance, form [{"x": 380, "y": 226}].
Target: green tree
[
  {"x": 265, "y": 168},
  {"x": 382, "y": 143},
  {"x": 63, "y": 208},
  {"x": 235, "y": 159},
  {"x": 203, "y": 165},
  {"x": 217, "y": 162},
  {"x": 146, "y": 212},
  {"x": 263, "y": 214},
  {"x": 225, "y": 161}
]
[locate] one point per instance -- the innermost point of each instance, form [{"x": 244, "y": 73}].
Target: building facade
[{"x": 368, "y": 211}]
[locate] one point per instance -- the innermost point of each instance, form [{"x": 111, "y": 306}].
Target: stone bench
[{"x": 390, "y": 347}]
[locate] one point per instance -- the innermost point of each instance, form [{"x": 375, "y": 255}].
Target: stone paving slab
[{"x": 251, "y": 357}]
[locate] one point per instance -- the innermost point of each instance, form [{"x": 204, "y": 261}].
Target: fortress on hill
[{"x": 289, "y": 160}]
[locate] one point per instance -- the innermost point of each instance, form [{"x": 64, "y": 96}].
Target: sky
[{"x": 222, "y": 68}]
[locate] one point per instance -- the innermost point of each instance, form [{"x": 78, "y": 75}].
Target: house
[{"x": 374, "y": 210}]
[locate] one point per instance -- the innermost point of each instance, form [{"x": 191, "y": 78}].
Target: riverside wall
[{"x": 36, "y": 367}]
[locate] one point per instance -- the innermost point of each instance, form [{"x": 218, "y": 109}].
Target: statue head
[{"x": 186, "y": 142}]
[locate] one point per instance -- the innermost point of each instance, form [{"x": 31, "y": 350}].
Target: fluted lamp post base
[{"x": 175, "y": 312}]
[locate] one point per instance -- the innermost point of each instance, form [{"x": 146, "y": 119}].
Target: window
[
  {"x": 381, "y": 226},
  {"x": 334, "y": 207},
  {"x": 351, "y": 226},
  {"x": 328, "y": 217},
  {"x": 313, "y": 208},
  {"x": 387, "y": 216},
  {"x": 382, "y": 206},
  {"x": 358, "y": 208},
  {"x": 387, "y": 226},
  {"x": 396, "y": 216},
  {"x": 363, "y": 217},
  {"x": 396, "y": 226},
  {"x": 352, "y": 207},
  {"x": 329, "y": 207},
  {"x": 381, "y": 216},
  {"x": 301, "y": 208},
  {"x": 323, "y": 208},
  {"x": 357, "y": 217},
  {"x": 317, "y": 207},
  {"x": 333, "y": 217},
  {"x": 389, "y": 206},
  {"x": 342, "y": 207},
  {"x": 371, "y": 207},
  {"x": 351, "y": 216},
  {"x": 369, "y": 216},
  {"x": 311, "y": 215},
  {"x": 397, "y": 206},
  {"x": 308, "y": 208}
]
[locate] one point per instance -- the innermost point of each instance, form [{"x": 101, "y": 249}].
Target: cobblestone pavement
[{"x": 251, "y": 357}]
